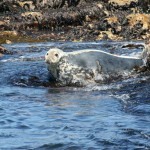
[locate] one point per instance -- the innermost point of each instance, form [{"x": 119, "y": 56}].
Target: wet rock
[
  {"x": 111, "y": 23},
  {"x": 138, "y": 27},
  {"x": 145, "y": 5},
  {"x": 27, "y": 5},
  {"x": 8, "y": 42},
  {"x": 135, "y": 19},
  {"x": 3, "y": 50},
  {"x": 8, "y": 33},
  {"x": 3, "y": 25},
  {"x": 132, "y": 46},
  {"x": 32, "y": 16},
  {"x": 76, "y": 20},
  {"x": 7, "y": 36},
  {"x": 108, "y": 35},
  {"x": 141, "y": 69},
  {"x": 123, "y": 4}
]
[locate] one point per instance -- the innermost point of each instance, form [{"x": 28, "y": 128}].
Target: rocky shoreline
[{"x": 74, "y": 20}]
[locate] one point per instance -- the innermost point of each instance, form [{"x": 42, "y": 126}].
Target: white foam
[
  {"x": 10, "y": 60},
  {"x": 122, "y": 97},
  {"x": 23, "y": 58}
]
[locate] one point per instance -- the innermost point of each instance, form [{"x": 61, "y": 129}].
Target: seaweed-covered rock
[
  {"x": 145, "y": 5},
  {"x": 27, "y": 5},
  {"x": 142, "y": 19},
  {"x": 137, "y": 27},
  {"x": 74, "y": 19},
  {"x": 123, "y": 4}
]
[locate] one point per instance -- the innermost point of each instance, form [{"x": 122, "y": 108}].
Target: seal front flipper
[
  {"x": 99, "y": 75},
  {"x": 99, "y": 67}
]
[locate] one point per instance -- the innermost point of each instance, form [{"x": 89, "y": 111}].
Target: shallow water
[{"x": 34, "y": 114}]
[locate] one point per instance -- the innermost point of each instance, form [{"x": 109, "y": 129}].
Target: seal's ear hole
[{"x": 56, "y": 55}]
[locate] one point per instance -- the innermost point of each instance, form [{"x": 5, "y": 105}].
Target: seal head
[
  {"x": 52, "y": 59},
  {"x": 53, "y": 56}
]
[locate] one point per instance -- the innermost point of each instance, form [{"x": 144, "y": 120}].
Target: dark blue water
[{"x": 34, "y": 114}]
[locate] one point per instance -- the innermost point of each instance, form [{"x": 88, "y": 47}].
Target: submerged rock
[{"x": 3, "y": 50}]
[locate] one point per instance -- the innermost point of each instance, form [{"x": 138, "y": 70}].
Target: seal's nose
[
  {"x": 47, "y": 61},
  {"x": 45, "y": 58}
]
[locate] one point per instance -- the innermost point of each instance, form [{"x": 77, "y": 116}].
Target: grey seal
[{"x": 90, "y": 65}]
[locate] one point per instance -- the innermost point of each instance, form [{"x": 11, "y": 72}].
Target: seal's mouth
[
  {"x": 47, "y": 61},
  {"x": 50, "y": 62}
]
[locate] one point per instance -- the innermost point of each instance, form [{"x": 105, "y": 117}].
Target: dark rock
[
  {"x": 3, "y": 50},
  {"x": 76, "y": 19},
  {"x": 145, "y": 5},
  {"x": 132, "y": 46}
]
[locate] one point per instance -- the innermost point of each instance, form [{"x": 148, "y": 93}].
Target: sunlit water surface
[{"x": 34, "y": 114}]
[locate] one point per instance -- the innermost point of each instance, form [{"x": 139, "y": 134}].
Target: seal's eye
[
  {"x": 56, "y": 55},
  {"x": 47, "y": 54}
]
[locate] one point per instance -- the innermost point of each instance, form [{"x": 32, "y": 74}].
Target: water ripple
[{"x": 36, "y": 114}]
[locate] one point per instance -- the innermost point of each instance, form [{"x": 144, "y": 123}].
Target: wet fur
[{"x": 88, "y": 66}]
